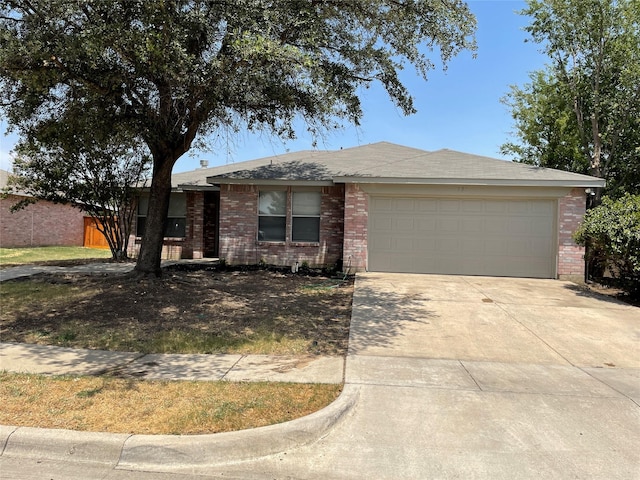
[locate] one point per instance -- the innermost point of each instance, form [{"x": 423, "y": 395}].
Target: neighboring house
[
  {"x": 384, "y": 207},
  {"x": 40, "y": 224}
]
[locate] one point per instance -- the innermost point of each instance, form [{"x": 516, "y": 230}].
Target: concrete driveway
[
  {"x": 487, "y": 319},
  {"x": 481, "y": 378}
]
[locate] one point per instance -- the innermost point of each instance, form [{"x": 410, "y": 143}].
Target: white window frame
[
  {"x": 262, "y": 215},
  {"x": 305, "y": 215}
]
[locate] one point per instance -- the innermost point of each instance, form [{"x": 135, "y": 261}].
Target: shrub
[{"x": 611, "y": 232}]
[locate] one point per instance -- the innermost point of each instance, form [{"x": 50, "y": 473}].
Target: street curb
[
  {"x": 166, "y": 453},
  {"x": 63, "y": 445},
  {"x": 169, "y": 452}
]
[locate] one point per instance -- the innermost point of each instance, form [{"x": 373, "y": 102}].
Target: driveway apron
[{"x": 480, "y": 378}]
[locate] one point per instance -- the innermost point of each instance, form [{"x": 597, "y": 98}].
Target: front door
[{"x": 211, "y": 220}]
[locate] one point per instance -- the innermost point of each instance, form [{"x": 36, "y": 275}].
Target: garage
[{"x": 465, "y": 236}]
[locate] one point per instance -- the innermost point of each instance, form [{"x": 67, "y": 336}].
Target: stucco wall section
[
  {"x": 571, "y": 211},
  {"x": 239, "y": 230},
  {"x": 40, "y": 224},
  {"x": 356, "y": 218}
]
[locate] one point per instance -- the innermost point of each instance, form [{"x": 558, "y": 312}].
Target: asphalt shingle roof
[{"x": 383, "y": 163}]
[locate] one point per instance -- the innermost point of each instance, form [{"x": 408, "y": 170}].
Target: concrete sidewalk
[
  {"x": 12, "y": 273},
  {"x": 46, "y": 360},
  {"x": 108, "y": 451},
  {"x": 21, "y": 271}
]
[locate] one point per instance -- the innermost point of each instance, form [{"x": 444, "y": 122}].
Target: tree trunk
[
  {"x": 152, "y": 241},
  {"x": 596, "y": 160}
]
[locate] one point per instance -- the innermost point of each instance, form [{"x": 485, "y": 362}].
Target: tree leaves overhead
[
  {"x": 178, "y": 66},
  {"x": 582, "y": 113},
  {"x": 88, "y": 165},
  {"x": 170, "y": 71}
]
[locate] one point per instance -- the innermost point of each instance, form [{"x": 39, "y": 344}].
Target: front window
[
  {"x": 272, "y": 216},
  {"x": 176, "y": 218},
  {"x": 285, "y": 215},
  {"x": 305, "y": 217}
]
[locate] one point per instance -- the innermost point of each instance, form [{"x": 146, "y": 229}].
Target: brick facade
[
  {"x": 343, "y": 230},
  {"x": 40, "y": 224},
  {"x": 356, "y": 218},
  {"x": 571, "y": 210},
  {"x": 194, "y": 230},
  {"x": 238, "y": 230}
]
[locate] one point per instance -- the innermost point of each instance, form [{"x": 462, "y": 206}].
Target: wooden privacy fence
[{"x": 93, "y": 238}]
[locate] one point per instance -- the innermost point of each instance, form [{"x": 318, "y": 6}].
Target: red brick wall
[
  {"x": 40, "y": 224},
  {"x": 172, "y": 248},
  {"x": 194, "y": 232},
  {"x": 239, "y": 230},
  {"x": 570, "y": 256},
  {"x": 356, "y": 217}
]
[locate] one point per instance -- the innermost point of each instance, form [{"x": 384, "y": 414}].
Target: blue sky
[{"x": 458, "y": 109}]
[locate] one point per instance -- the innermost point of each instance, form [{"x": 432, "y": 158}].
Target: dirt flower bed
[{"x": 187, "y": 310}]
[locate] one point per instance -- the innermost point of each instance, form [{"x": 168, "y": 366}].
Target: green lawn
[{"x": 21, "y": 256}]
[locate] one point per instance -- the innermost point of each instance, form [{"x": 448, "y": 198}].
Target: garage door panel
[
  {"x": 448, "y": 246},
  {"x": 449, "y": 206},
  {"x": 425, "y": 245},
  {"x": 426, "y": 204},
  {"x": 470, "y": 206},
  {"x": 405, "y": 224},
  {"x": 470, "y": 245},
  {"x": 447, "y": 224},
  {"x": 520, "y": 226},
  {"x": 462, "y": 236},
  {"x": 521, "y": 208},
  {"x": 472, "y": 225},
  {"x": 495, "y": 224},
  {"x": 404, "y": 244},
  {"x": 494, "y": 248},
  {"x": 546, "y": 209},
  {"x": 426, "y": 224},
  {"x": 381, "y": 224},
  {"x": 494, "y": 206},
  {"x": 381, "y": 243}
]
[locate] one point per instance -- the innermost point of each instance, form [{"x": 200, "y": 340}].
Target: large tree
[
  {"x": 91, "y": 165},
  {"x": 173, "y": 71},
  {"x": 582, "y": 113}
]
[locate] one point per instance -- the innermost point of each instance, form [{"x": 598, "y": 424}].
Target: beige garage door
[{"x": 513, "y": 238}]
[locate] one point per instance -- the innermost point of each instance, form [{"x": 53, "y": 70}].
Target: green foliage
[
  {"x": 92, "y": 166},
  {"x": 168, "y": 73},
  {"x": 545, "y": 125},
  {"x": 612, "y": 233},
  {"x": 582, "y": 112}
]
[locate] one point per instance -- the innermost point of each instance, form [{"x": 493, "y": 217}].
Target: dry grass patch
[
  {"x": 203, "y": 311},
  {"x": 51, "y": 255},
  {"x": 116, "y": 405}
]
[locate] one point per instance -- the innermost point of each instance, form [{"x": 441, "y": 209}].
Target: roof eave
[
  {"x": 577, "y": 183},
  {"x": 279, "y": 182},
  {"x": 197, "y": 188}
]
